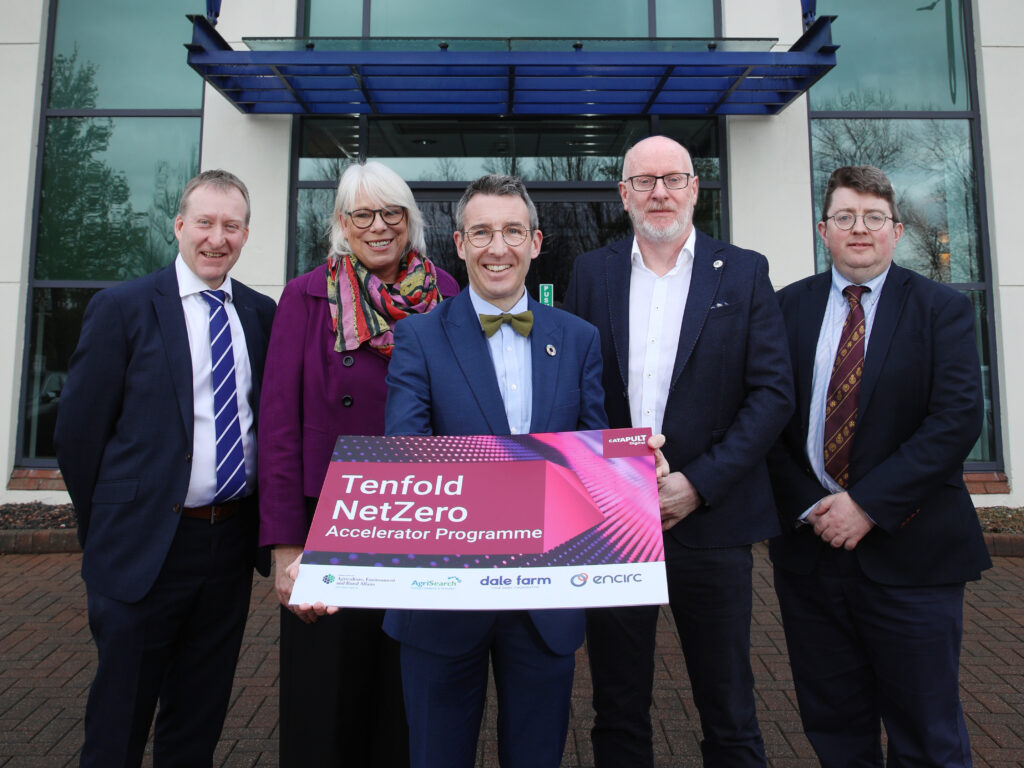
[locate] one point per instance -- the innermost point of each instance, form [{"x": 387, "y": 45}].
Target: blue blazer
[
  {"x": 918, "y": 415},
  {"x": 124, "y": 426},
  {"x": 731, "y": 391},
  {"x": 441, "y": 381}
]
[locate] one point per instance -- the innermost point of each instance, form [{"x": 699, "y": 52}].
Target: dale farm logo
[{"x": 578, "y": 580}]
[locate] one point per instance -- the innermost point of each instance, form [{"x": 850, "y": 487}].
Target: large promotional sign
[{"x": 557, "y": 520}]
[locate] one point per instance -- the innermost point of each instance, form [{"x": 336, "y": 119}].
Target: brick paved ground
[{"x": 46, "y": 663}]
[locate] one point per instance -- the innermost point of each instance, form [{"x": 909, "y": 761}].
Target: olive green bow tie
[{"x": 521, "y": 323}]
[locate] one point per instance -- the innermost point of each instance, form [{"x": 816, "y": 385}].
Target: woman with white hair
[{"x": 341, "y": 691}]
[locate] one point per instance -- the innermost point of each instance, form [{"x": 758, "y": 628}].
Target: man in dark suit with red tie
[
  {"x": 156, "y": 442},
  {"x": 879, "y": 532}
]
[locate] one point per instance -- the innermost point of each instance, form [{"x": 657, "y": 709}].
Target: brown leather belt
[{"x": 215, "y": 513}]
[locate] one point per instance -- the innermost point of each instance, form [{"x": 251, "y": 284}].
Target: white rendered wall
[
  {"x": 257, "y": 148},
  {"x": 22, "y": 36},
  {"x": 1000, "y": 47},
  {"x": 769, "y": 157}
]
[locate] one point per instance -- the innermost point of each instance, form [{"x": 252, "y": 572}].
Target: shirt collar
[
  {"x": 483, "y": 307},
  {"x": 189, "y": 283},
  {"x": 874, "y": 285},
  {"x": 685, "y": 255}
]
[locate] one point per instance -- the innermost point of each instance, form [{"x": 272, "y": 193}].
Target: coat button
[
  {"x": 347, "y": 401},
  {"x": 188, "y": 457},
  {"x": 177, "y": 509},
  {"x": 347, "y": 361}
]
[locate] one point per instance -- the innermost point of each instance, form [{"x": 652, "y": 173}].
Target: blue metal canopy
[{"x": 488, "y": 76}]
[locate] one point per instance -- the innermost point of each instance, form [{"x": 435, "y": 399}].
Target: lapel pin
[
  {"x": 550, "y": 349},
  {"x": 718, "y": 264}
]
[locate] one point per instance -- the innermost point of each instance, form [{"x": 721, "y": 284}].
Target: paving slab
[{"x": 47, "y": 661}]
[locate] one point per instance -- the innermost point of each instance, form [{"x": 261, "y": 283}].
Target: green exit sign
[{"x": 547, "y": 294}]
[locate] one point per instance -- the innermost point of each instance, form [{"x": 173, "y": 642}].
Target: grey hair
[
  {"x": 498, "y": 184},
  {"x": 377, "y": 182}
]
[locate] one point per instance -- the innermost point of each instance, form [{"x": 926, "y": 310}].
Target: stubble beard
[{"x": 665, "y": 234}]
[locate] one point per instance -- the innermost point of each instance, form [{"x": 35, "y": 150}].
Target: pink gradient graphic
[{"x": 538, "y": 499}]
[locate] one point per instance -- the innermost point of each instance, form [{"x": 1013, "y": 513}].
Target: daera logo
[
  {"x": 329, "y": 578},
  {"x": 579, "y": 580}
]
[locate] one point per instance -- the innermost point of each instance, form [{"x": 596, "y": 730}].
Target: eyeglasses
[
  {"x": 512, "y": 234},
  {"x": 363, "y": 217},
  {"x": 670, "y": 180},
  {"x": 873, "y": 220}
]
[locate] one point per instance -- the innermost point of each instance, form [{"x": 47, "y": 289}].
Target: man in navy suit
[
  {"x": 879, "y": 532},
  {"x": 168, "y": 536},
  {"x": 694, "y": 348},
  {"x": 538, "y": 371}
]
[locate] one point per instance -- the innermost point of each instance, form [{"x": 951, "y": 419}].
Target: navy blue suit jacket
[
  {"x": 731, "y": 391},
  {"x": 441, "y": 381},
  {"x": 124, "y": 427},
  {"x": 918, "y": 415}
]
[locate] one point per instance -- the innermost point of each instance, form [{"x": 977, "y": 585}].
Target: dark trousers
[
  {"x": 341, "y": 693},
  {"x": 710, "y": 593},
  {"x": 445, "y": 699},
  {"x": 178, "y": 645},
  {"x": 864, "y": 653}
]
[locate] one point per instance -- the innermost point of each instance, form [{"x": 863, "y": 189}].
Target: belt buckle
[{"x": 215, "y": 513}]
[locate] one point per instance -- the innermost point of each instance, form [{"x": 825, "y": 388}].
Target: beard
[{"x": 664, "y": 234}]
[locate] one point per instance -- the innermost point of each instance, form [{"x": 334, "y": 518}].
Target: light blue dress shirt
[
  {"x": 513, "y": 365},
  {"x": 824, "y": 358}
]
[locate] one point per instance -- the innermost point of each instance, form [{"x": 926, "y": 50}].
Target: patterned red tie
[{"x": 843, "y": 389}]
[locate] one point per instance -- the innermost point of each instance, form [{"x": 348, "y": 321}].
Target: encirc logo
[{"x": 578, "y": 580}]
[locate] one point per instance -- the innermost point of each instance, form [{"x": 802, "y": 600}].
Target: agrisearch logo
[
  {"x": 437, "y": 584},
  {"x": 579, "y": 579}
]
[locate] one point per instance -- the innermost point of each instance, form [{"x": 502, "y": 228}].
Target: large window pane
[
  {"x": 985, "y": 448},
  {"x": 56, "y": 322},
  {"x": 686, "y": 18},
  {"x": 334, "y": 18},
  {"x": 123, "y": 54},
  {"x": 110, "y": 194},
  {"x": 523, "y": 18},
  {"x": 895, "y": 56},
  {"x": 931, "y": 165}
]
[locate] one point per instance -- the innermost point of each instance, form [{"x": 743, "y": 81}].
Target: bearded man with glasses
[{"x": 694, "y": 347}]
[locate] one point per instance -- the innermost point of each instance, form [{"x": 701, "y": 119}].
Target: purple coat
[{"x": 312, "y": 394}]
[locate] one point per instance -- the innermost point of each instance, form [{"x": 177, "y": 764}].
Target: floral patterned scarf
[{"x": 363, "y": 308}]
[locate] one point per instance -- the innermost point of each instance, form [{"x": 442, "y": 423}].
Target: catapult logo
[
  {"x": 579, "y": 579},
  {"x": 436, "y": 585}
]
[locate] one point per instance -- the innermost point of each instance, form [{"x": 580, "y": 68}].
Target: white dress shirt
[
  {"x": 510, "y": 353},
  {"x": 836, "y": 312},
  {"x": 656, "y": 306},
  {"x": 202, "y": 484}
]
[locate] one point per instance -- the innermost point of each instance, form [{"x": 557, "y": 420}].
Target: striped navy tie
[{"x": 230, "y": 455}]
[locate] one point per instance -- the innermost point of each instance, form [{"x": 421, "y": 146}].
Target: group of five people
[{"x": 832, "y": 418}]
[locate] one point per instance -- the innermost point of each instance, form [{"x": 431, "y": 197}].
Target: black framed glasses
[
  {"x": 873, "y": 220},
  {"x": 363, "y": 217},
  {"x": 512, "y": 234},
  {"x": 670, "y": 180}
]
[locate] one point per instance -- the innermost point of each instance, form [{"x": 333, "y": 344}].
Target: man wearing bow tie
[
  {"x": 879, "y": 532},
  {"x": 491, "y": 360},
  {"x": 694, "y": 348},
  {"x": 156, "y": 442}
]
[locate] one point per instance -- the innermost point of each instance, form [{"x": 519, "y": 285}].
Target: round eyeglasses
[
  {"x": 873, "y": 220},
  {"x": 512, "y": 234},
  {"x": 670, "y": 180},
  {"x": 363, "y": 217}
]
